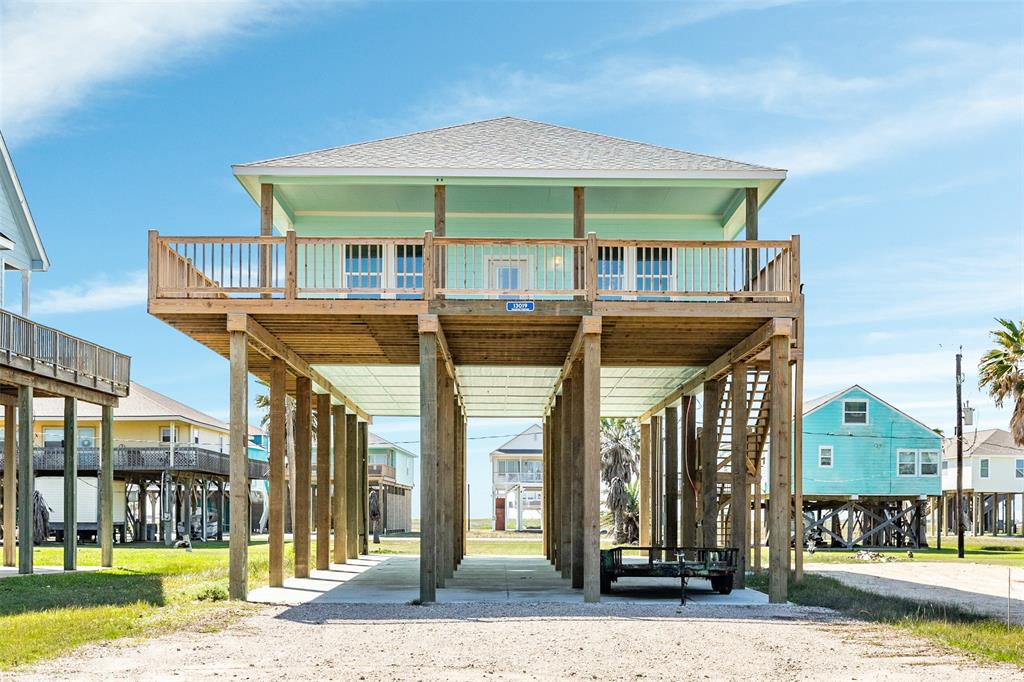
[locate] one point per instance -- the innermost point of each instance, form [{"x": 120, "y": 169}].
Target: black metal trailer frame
[{"x": 717, "y": 564}]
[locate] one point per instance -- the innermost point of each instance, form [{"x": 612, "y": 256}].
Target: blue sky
[{"x": 902, "y": 126}]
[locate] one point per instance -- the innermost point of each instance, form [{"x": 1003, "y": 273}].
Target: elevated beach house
[
  {"x": 993, "y": 483},
  {"x": 517, "y": 481},
  {"x": 390, "y": 469},
  {"x": 40, "y": 361},
  {"x": 869, "y": 471},
  {"x": 506, "y": 268}
]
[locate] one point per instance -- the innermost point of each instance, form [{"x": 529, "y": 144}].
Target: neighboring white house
[
  {"x": 993, "y": 482},
  {"x": 517, "y": 481},
  {"x": 391, "y": 467}
]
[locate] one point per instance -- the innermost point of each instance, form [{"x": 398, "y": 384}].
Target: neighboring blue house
[{"x": 867, "y": 462}]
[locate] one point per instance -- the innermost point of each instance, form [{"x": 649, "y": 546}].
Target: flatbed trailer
[{"x": 717, "y": 564}]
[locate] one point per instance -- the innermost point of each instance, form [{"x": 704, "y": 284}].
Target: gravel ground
[
  {"x": 979, "y": 588},
  {"x": 528, "y": 641}
]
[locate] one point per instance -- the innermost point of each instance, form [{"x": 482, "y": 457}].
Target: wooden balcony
[
  {"x": 57, "y": 363},
  {"x": 430, "y": 268}
]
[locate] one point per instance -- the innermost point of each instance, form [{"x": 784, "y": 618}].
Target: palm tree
[
  {"x": 619, "y": 445},
  {"x": 1001, "y": 372}
]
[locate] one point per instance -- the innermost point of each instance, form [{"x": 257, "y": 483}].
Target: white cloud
[
  {"x": 56, "y": 55},
  {"x": 97, "y": 294}
]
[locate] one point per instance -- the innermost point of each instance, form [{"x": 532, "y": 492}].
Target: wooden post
[
  {"x": 440, "y": 230},
  {"x": 26, "y": 481},
  {"x": 323, "y": 481},
  {"x": 557, "y": 487},
  {"x": 71, "y": 484},
  {"x": 340, "y": 486},
  {"x": 758, "y": 511},
  {"x": 779, "y": 511},
  {"x": 352, "y": 484},
  {"x": 10, "y": 485},
  {"x": 275, "y": 520},
  {"x": 645, "y": 484},
  {"x": 751, "y": 213},
  {"x": 657, "y": 485},
  {"x": 568, "y": 455},
  {"x": 591, "y": 468},
  {"x": 266, "y": 230},
  {"x": 302, "y": 485},
  {"x": 709, "y": 463},
  {"x": 364, "y": 483},
  {"x": 291, "y": 266},
  {"x": 545, "y": 480},
  {"x": 671, "y": 477},
  {"x": 798, "y": 439},
  {"x": 740, "y": 505},
  {"x": 444, "y": 509},
  {"x": 440, "y": 217},
  {"x": 238, "y": 540},
  {"x": 106, "y": 485},
  {"x": 578, "y": 232},
  {"x": 688, "y": 514},
  {"x": 428, "y": 466},
  {"x": 579, "y": 397},
  {"x": 590, "y": 280}
]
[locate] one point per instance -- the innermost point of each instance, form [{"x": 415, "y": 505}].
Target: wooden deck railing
[
  {"x": 475, "y": 268},
  {"x": 34, "y": 347}
]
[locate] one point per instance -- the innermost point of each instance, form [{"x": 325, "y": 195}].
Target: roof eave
[
  {"x": 43, "y": 260},
  {"x": 555, "y": 173}
]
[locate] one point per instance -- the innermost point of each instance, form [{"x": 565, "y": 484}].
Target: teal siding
[{"x": 864, "y": 455}]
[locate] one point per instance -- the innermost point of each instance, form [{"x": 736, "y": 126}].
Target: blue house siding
[{"x": 864, "y": 456}]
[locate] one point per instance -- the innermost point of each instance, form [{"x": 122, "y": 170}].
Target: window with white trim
[
  {"x": 929, "y": 463},
  {"x": 165, "y": 434},
  {"x": 1019, "y": 469},
  {"x": 855, "y": 412},
  {"x": 983, "y": 468},
  {"x": 906, "y": 462},
  {"x": 825, "y": 454}
]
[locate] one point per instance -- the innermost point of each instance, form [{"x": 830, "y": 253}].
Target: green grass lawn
[
  {"x": 979, "y": 635},
  {"x": 1000, "y": 551}
]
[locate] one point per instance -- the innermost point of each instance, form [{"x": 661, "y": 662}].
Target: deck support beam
[
  {"x": 779, "y": 456},
  {"x": 302, "y": 487},
  {"x": 429, "y": 362},
  {"x": 340, "y": 485},
  {"x": 709, "y": 463},
  {"x": 740, "y": 504},
  {"x": 323, "y": 481},
  {"x": 70, "y": 484},
  {"x": 671, "y": 476},
  {"x": 592, "y": 468},
  {"x": 26, "y": 482},
  {"x": 275, "y": 520},
  {"x": 106, "y": 486},
  {"x": 10, "y": 485},
  {"x": 238, "y": 541}
]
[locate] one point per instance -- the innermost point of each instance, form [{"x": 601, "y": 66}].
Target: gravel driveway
[{"x": 528, "y": 641}]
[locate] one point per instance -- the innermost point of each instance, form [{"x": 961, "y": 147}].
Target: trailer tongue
[{"x": 717, "y": 564}]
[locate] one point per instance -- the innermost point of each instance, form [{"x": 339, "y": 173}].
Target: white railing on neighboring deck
[
  {"x": 474, "y": 268},
  {"x": 34, "y": 347}
]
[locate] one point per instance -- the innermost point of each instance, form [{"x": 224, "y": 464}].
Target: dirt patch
[{"x": 528, "y": 641}]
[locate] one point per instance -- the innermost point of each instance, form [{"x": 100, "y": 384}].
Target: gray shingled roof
[{"x": 507, "y": 143}]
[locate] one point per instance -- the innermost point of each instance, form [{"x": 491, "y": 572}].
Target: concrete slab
[
  {"x": 12, "y": 572},
  {"x": 395, "y": 580}
]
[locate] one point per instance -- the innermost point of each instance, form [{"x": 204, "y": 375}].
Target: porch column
[
  {"x": 106, "y": 485},
  {"x": 10, "y": 484},
  {"x": 779, "y": 509},
  {"x": 26, "y": 481},
  {"x": 591, "y": 467},
  {"x": 740, "y": 505},
  {"x": 340, "y": 486},
  {"x": 578, "y": 473},
  {"x": 568, "y": 455},
  {"x": 444, "y": 472},
  {"x": 557, "y": 495},
  {"x": 645, "y": 484},
  {"x": 709, "y": 463},
  {"x": 275, "y": 520},
  {"x": 428, "y": 465},
  {"x": 71, "y": 484},
  {"x": 238, "y": 540},
  {"x": 657, "y": 485},
  {"x": 266, "y": 230},
  {"x": 364, "y": 484},
  {"x": 352, "y": 484},
  {"x": 671, "y": 477},
  {"x": 688, "y": 514},
  {"x": 323, "y": 481},
  {"x": 302, "y": 487}
]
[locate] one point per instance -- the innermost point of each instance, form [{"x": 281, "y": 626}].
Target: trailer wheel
[{"x": 722, "y": 584}]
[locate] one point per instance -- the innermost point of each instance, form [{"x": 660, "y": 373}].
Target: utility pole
[{"x": 959, "y": 433}]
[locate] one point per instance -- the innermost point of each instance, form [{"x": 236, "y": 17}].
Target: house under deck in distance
[{"x": 508, "y": 268}]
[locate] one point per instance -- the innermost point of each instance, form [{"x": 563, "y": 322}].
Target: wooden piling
[
  {"x": 106, "y": 486},
  {"x": 688, "y": 496},
  {"x": 780, "y": 505},
  {"x": 275, "y": 520},
  {"x": 578, "y": 466},
  {"x": 70, "y": 484},
  {"x": 591, "y": 479},
  {"x": 709, "y": 463},
  {"x": 428, "y": 466},
  {"x": 10, "y": 485},
  {"x": 352, "y": 484},
  {"x": 323, "y": 481},
  {"x": 26, "y": 481},
  {"x": 568, "y": 455},
  {"x": 740, "y": 504},
  {"x": 302, "y": 486},
  {"x": 238, "y": 541},
  {"x": 340, "y": 485},
  {"x": 671, "y": 477},
  {"x": 645, "y": 484}
]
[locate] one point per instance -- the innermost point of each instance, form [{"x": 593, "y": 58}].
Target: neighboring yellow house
[{"x": 143, "y": 418}]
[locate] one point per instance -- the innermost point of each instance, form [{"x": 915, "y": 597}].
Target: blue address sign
[{"x": 519, "y": 306}]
